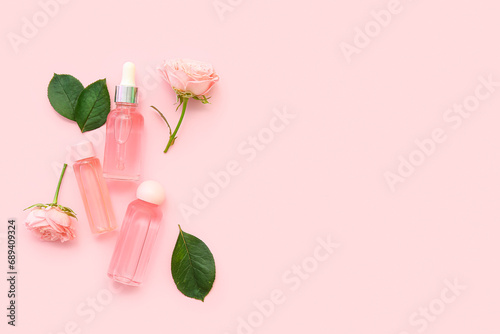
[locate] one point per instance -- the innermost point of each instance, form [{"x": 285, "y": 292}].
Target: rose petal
[
  {"x": 199, "y": 88},
  {"x": 173, "y": 80},
  {"x": 35, "y": 216},
  {"x": 59, "y": 217},
  {"x": 172, "y": 63},
  {"x": 38, "y": 224},
  {"x": 196, "y": 69},
  {"x": 54, "y": 226},
  {"x": 182, "y": 76}
]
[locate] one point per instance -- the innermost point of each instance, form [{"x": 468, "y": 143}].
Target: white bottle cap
[
  {"x": 82, "y": 150},
  {"x": 151, "y": 191}
]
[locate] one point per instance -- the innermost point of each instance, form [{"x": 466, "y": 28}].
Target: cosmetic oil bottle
[
  {"x": 124, "y": 126},
  {"x": 137, "y": 235},
  {"x": 93, "y": 189}
]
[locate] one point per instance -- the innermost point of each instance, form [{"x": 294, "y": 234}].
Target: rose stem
[
  {"x": 59, "y": 184},
  {"x": 172, "y": 136}
]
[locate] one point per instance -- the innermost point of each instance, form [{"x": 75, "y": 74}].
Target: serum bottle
[
  {"x": 124, "y": 127},
  {"x": 137, "y": 235},
  {"x": 93, "y": 189}
]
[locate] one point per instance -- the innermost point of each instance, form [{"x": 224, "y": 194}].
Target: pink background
[{"x": 322, "y": 175}]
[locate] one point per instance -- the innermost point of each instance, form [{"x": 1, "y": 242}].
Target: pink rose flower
[
  {"x": 189, "y": 76},
  {"x": 52, "y": 221},
  {"x": 51, "y": 224},
  {"x": 190, "y": 79}
]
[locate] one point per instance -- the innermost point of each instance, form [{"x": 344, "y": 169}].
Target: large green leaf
[
  {"x": 63, "y": 92},
  {"x": 93, "y": 106},
  {"x": 193, "y": 266}
]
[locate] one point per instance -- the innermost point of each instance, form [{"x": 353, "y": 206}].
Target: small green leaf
[
  {"x": 93, "y": 106},
  {"x": 63, "y": 92},
  {"x": 193, "y": 266}
]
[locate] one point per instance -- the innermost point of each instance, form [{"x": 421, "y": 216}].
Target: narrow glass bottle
[
  {"x": 95, "y": 195},
  {"x": 137, "y": 235},
  {"x": 124, "y": 127}
]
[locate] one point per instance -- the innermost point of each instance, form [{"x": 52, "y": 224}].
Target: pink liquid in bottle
[
  {"x": 93, "y": 189},
  {"x": 137, "y": 235},
  {"x": 124, "y": 127}
]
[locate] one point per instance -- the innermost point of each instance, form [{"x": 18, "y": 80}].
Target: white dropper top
[
  {"x": 128, "y": 74},
  {"x": 126, "y": 92}
]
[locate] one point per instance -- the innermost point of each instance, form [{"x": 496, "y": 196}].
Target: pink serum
[
  {"x": 137, "y": 235},
  {"x": 124, "y": 127},
  {"x": 95, "y": 195}
]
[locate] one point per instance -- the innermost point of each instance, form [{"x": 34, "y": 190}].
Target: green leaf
[
  {"x": 93, "y": 106},
  {"x": 63, "y": 92},
  {"x": 193, "y": 266}
]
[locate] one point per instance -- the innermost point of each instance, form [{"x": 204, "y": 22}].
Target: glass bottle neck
[{"x": 125, "y": 105}]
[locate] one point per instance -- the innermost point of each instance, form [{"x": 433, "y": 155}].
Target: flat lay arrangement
[{"x": 192, "y": 263}]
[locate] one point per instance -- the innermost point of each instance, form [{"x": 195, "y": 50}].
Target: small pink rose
[
  {"x": 51, "y": 224},
  {"x": 190, "y": 79},
  {"x": 189, "y": 76}
]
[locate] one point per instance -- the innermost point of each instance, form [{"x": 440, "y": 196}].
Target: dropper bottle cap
[{"x": 126, "y": 92}]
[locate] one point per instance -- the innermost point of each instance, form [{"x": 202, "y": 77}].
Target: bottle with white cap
[
  {"x": 124, "y": 127},
  {"x": 137, "y": 235},
  {"x": 95, "y": 195}
]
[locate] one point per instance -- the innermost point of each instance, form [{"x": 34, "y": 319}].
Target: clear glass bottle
[
  {"x": 137, "y": 235},
  {"x": 124, "y": 127},
  {"x": 93, "y": 189}
]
